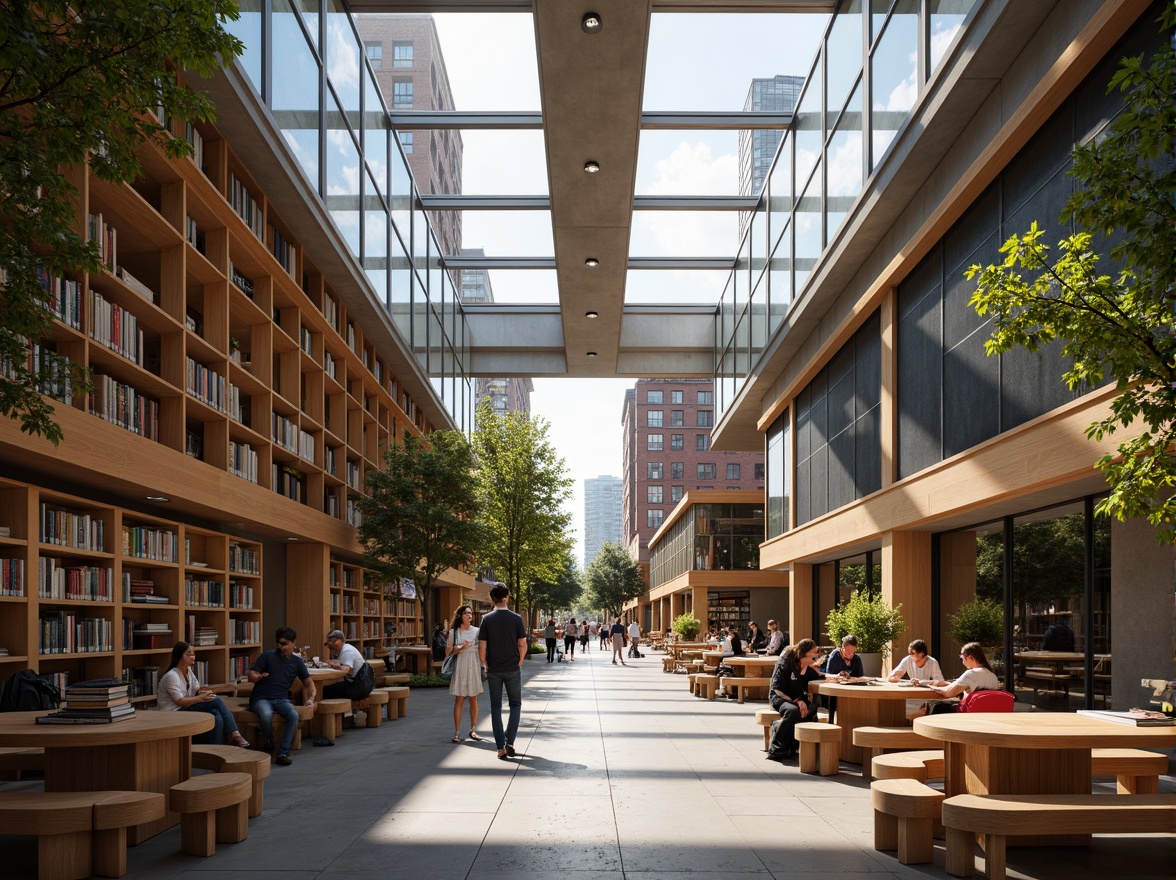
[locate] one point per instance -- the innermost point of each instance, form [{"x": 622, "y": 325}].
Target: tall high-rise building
[
  {"x": 406, "y": 56},
  {"x": 757, "y": 147},
  {"x": 603, "y": 497},
  {"x": 667, "y": 428}
]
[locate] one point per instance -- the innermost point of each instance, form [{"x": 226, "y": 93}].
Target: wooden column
[
  {"x": 800, "y": 603},
  {"x": 906, "y": 579}
]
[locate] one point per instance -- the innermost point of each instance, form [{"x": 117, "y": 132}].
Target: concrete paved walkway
[{"x": 620, "y": 774}]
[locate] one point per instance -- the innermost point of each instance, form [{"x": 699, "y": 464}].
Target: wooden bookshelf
[
  {"x": 228, "y": 374},
  {"x": 106, "y": 591}
]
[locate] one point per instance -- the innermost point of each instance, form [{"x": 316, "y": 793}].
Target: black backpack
[{"x": 26, "y": 692}]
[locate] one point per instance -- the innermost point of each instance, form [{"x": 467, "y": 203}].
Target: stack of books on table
[{"x": 101, "y": 701}]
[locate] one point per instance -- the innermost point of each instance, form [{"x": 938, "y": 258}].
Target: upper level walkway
[{"x": 620, "y": 774}]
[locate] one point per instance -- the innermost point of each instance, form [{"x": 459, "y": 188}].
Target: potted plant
[
  {"x": 687, "y": 626},
  {"x": 873, "y": 621}
]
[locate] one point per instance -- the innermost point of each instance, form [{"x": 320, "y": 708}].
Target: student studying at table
[{"x": 978, "y": 675}]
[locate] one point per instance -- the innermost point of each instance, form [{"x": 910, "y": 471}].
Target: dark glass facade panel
[{"x": 838, "y": 459}]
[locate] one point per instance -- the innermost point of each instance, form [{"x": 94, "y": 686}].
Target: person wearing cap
[
  {"x": 344, "y": 656},
  {"x": 272, "y": 675}
]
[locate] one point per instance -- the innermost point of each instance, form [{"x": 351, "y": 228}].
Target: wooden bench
[
  {"x": 391, "y": 679},
  {"x": 1137, "y": 771},
  {"x": 905, "y": 812},
  {"x": 820, "y": 747},
  {"x": 375, "y": 704},
  {"x": 397, "y": 702},
  {"x": 705, "y": 685},
  {"x": 328, "y": 717},
  {"x": 999, "y": 816},
  {"x": 213, "y": 809},
  {"x": 741, "y": 685},
  {"x": 74, "y": 837},
  {"x": 875, "y": 741},
  {"x": 232, "y": 759},
  {"x": 114, "y": 812},
  {"x": 921, "y": 765},
  {"x": 765, "y": 718},
  {"x": 250, "y": 724},
  {"x": 18, "y": 760},
  {"x": 669, "y": 664}
]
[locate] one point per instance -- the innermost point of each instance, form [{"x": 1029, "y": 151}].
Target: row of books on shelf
[
  {"x": 193, "y": 136},
  {"x": 207, "y": 385},
  {"x": 63, "y": 297},
  {"x": 240, "y": 595},
  {"x": 12, "y": 577},
  {"x": 105, "y": 237},
  {"x": 87, "y": 583},
  {"x": 194, "y": 234},
  {"x": 207, "y": 594},
  {"x": 244, "y": 632},
  {"x": 135, "y": 284},
  {"x": 244, "y": 282},
  {"x": 354, "y": 517},
  {"x": 149, "y": 636},
  {"x": 289, "y": 482},
  {"x": 287, "y": 434},
  {"x": 125, "y": 406},
  {"x": 64, "y": 632},
  {"x": 243, "y": 461},
  {"x": 243, "y": 560},
  {"x": 67, "y": 528},
  {"x": 285, "y": 252},
  {"x": 246, "y": 207},
  {"x": 51, "y": 372},
  {"x": 115, "y": 328},
  {"x": 144, "y": 542}
]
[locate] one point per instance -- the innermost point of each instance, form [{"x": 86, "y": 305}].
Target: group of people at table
[
  {"x": 273, "y": 675},
  {"x": 800, "y": 664}
]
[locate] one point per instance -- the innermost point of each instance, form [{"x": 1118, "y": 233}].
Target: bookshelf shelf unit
[
  {"x": 228, "y": 370},
  {"x": 146, "y": 563}
]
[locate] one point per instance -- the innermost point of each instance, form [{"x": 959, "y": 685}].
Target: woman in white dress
[{"x": 466, "y": 682}]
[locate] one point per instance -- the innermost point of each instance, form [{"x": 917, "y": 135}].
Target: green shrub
[
  {"x": 536, "y": 648},
  {"x": 870, "y": 618},
  {"x": 687, "y": 626},
  {"x": 981, "y": 620},
  {"x": 427, "y": 681}
]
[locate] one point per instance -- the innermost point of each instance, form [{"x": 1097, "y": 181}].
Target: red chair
[{"x": 987, "y": 701}]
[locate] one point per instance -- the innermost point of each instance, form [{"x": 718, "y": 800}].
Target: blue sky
[{"x": 695, "y": 62}]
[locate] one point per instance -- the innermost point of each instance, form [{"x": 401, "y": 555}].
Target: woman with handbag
[{"x": 466, "y": 680}]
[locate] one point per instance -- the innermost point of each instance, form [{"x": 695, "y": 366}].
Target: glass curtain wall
[
  {"x": 1037, "y": 588},
  {"x": 876, "y": 58},
  {"x": 306, "y": 61}
]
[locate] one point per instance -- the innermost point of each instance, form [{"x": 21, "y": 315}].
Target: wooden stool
[
  {"x": 905, "y": 812},
  {"x": 706, "y": 685},
  {"x": 213, "y": 809},
  {"x": 921, "y": 765},
  {"x": 378, "y": 701},
  {"x": 250, "y": 724},
  {"x": 62, "y": 823},
  {"x": 690, "y": 682},
  {"x": 874, "y": 741},
  {"x": 328, "y": 716},
  {"x": 392, "y": 679},
  {"x": 397, "y": 702},
  {"x": 114, "y": 812},
  {"x": 820, "y": 747},
  {"x": 232, "y": 759}
]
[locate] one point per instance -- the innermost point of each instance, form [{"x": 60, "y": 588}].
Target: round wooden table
[
  {"x": 1030, "y": 753},
  {"x": 753, "y": 665},
  {"x": 420, "y": 656},
  {"x": 151, "y": 751},
  {"x": 880, "y": 704}
]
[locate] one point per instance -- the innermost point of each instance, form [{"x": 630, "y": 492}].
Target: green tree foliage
[
  {"x": 870, "y": 618},
  {"x": 560, "y": 594},
  {"x": 524, "y": 489},
  {"x": 1116, "y": 323},
  {"x": 421, "y": 517},
  {"x": 687, "y": 626},
  {"x": 613, "y": 578},
  {"x": 80, "y": 82}
]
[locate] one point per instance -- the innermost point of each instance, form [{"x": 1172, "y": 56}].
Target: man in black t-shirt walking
[{"x": 502, "y": 648}]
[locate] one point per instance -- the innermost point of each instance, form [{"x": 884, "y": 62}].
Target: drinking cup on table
[{"x": 315, "y": 660}]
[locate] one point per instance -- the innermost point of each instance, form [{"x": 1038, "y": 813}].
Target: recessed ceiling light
[
  {"x": 592, "y": 314},
  {"x": 591, "y": 354},
  {"x": 163, "y": 499},
  {"x": 291, "y": 539},
  {"x": 592, "y": 262},
  {"x": 591, "y": 23},
  {"x": 591, "y": 166}
]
